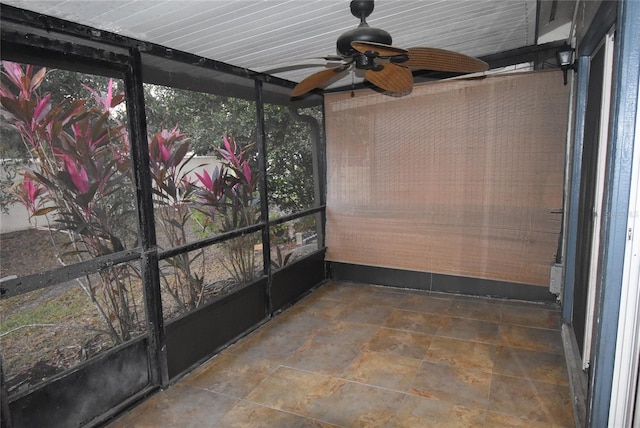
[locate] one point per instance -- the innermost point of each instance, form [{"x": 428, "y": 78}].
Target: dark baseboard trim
[{"x": 437, "y": 282}]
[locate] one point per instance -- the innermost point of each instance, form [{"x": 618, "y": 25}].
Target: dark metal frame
[
  {"x": 167, "y": 350},
  {"x": 146, "y": 222},
  {"x": 196, "y": 336},
  {"x": 88, "y": 393}
]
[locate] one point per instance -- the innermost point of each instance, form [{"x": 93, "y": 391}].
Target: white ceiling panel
[{"x": 269, "y": 34}]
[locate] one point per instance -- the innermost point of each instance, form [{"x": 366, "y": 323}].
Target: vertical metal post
[
  {"x": 147, "y": 232},
  {"x": 5, "y": 415},
  {"x": 264, "y": 201},
  {"x": 317, "y": 155},
  {"x": 322, "y": 178}
]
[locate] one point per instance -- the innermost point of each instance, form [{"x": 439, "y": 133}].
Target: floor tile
[
  {"x": 424, "y": 412},
  {"x": 377, "y": 369},
  {"x": 179, "y": 406},
  {"x": 265, "y": 350},
  {"x": 347, "y": 292},
  {"x": 475, "y": 308},
  {"x": 318, "y": 307},
  {"x": 540, "y": 366},
  {"x": 468, "y": 329},
  {"x": 350, "y": 333},
  {"x": 533, "y": 339},
  {"x": 323, "y": 357},
  {"x": 291, "y": 390},
  {"x": 352, "y": 355},
  {"x": 498, "y": 420},
  {"x": 224, "y": 374},
  {"x": 531, "y": 400},
  {"x": 425, "y": 303},
  {"x": 388, "y": 296},
  {"x": 531, "y": 316},
  {"x": 461, "y": 353},
  {"x": 452, "y": 384},
  {"x": 294, "y": 326},
  {"x": 400, "y": 343},
  {"x": 329, "y": 289},
  {"x": 418, "y": 322},
  {"x": 250, "y": 415},
  {"x": 375, "y": 313},
  {"x": 351, "y": 404}
]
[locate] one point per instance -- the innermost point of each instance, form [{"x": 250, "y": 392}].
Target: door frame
[
  {"x": 603, "y": 141},
  {"x": 625, "y": 399}
]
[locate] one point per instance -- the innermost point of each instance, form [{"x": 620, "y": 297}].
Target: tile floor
[{"x": 354, "y": 355}]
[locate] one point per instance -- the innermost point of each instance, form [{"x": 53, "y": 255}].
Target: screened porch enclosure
[{"x": 209, "y": 237}]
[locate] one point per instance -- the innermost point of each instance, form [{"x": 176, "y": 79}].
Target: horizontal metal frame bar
[
  {"x": 171, "y": 252},
  {"x": 297, "y": 215},
  {"x": 524, "y": 54},
  {"x": 188, "y": 58},
  {"x": 24, "y": 284},
  {"x": 56, "y": 25},
  {"x": 22, "y": 46}
]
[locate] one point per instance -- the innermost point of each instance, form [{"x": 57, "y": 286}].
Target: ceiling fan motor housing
[
  {"x": 361, "y": 9},
  {"x": 361, "y": 34}
]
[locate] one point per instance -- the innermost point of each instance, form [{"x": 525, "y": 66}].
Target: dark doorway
[{"x": 586, "y": 217}]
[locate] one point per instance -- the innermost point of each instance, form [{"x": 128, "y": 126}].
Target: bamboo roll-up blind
[{"x": 462, "y": 177}]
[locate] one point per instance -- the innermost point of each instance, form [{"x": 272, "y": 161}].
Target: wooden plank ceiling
[{"x": 272, "y": 34}]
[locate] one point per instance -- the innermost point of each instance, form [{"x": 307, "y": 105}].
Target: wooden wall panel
[{"x": 459, "y": 177}]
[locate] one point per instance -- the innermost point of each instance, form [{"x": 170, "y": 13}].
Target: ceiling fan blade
[
  {"x": 318, "y": 79},
  {"x": 382, "y": 50},
  {"x": 392, "y": 78},
  {"x": 443, "y": 60}
]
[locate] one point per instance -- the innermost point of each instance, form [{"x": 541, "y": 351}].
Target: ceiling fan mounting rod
[{"x": 361, "y": 8}]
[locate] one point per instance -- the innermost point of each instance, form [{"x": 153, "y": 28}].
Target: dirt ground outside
[{"x": 48, "y": 330}]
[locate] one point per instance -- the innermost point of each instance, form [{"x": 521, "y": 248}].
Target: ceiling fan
[{"x": 385, "y": 66}]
